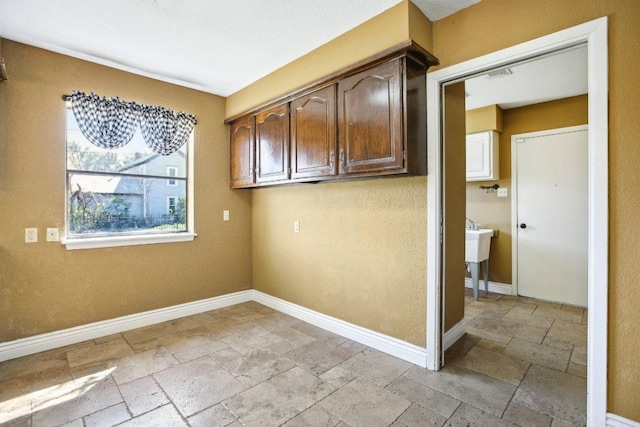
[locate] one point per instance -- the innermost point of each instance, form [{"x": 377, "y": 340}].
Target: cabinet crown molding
[{"x": 408, "y": 48}]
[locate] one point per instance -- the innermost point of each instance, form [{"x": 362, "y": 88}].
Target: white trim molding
[
  {"x": 454, "y": 334},
  {"x": 495, "y": 287},
  {"x": 48, "y": 341},
  {"x": 435, "y": 303},
  {"x": 595, "y": 35},
  {"x": 128, "y": 240},
  {"x": 393, "y": 346},
  {"x": 618, "y": 421}
]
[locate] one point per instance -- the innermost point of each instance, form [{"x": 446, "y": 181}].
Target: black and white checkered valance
[
  {"x": 106, "y": 122},
  {"x": 165, "y": 131},
  {"x": 111, "y": 123}
]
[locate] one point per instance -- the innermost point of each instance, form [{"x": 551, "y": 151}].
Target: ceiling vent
[{"x": 498, "y": 74}]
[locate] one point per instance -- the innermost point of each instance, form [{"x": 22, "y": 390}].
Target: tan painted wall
[
  {"x": 493, "y": 212},
  {"x": 454, "y": 170},
  {"x": 44, "y": 287},
  {"x": 361, "y": 252},
  {"x": 394, "y": 26},
  {"x": 485, "y": 118},
  {"x": 506, "y": 23},
  {"x": 420, "y": 28}
]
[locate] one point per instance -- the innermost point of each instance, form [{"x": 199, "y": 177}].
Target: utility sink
[{"x": 477, "y": 245}]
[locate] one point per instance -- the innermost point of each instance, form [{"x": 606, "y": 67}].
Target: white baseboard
[
  {"x": 618, "y": 421},
  {"x": 495, "y": 287},
  {"x": 453, "y": 334},
  {"x": 48, "y": 341},
  {"x": 393, "y": 346}
]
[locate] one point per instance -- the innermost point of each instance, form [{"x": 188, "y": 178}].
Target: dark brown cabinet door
[
  {"x": 313, "y": 134},
  {"x": 242, "y": 153},
  {"x": 272, "y": 144},
  {"x": 370, "y": 120}
]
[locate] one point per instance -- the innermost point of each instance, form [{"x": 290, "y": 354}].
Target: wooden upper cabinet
[
  {"x": 242, "y": 153},
  {"x": 367, "y": 120},
  {"x": 272, "y": 144},
  {"x": 313, "y": 134},
  {"x": 370, "y": 120}
]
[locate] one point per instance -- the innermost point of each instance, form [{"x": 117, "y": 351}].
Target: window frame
[
  {"x": 74, "y": 242},
  {"x": 174, "y": 169}
]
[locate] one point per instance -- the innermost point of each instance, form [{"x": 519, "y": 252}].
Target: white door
[{"x": 550, "y": 214}]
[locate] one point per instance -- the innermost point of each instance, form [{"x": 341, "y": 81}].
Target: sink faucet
[{"x": 470, "y": 225}]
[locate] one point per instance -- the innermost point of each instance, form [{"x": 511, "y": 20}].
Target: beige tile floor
[{"x": 521, "y": 363}]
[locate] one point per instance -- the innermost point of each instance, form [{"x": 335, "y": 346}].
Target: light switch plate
[
  {"x": 296, "y": 226},
  {"x": 225, "y": 215},
  {"x": 52, "y": 234}
]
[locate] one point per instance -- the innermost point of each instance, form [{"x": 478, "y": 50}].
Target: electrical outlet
[
  {"x": 52, "y": 234},
  {"x": 296, "y": 226},
  {"x": 502, "y": 192},
  {"x": 225, "y": 215},
  {"x": 30, "y": 235}
]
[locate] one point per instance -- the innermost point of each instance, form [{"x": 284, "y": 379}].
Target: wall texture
[
  {"x": 454, "y": 170},
  {"x": 44, "y": 287},
  {"x": 372, "y": 269},
  {"x": 361, "y": 252},
  {"x": 493, "y": 212},
  {"x": 394, "y": 26},
  {"x": 506, "y": 23}
]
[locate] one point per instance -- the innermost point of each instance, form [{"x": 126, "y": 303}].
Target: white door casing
[
  {"x": 549, "y": 214},
  {"x": 595, "y": 34}
]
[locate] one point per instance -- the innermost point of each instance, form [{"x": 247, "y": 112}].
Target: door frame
[
  {"x": 594, "y": 34},
  {"x": 514, "y": 192}
]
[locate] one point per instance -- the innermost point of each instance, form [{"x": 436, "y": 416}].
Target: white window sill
[{"x": 113, "y": 241}]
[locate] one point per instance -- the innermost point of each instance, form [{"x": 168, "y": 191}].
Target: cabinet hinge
[
  {"x": 404, "y": 154},
  {"x": 289, "y": 171}
]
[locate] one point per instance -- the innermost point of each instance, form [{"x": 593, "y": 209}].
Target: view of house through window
[{"x": 123, "y": 190}]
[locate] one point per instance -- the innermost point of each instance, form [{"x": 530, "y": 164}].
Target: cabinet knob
[{"x": 523, "y": 225}]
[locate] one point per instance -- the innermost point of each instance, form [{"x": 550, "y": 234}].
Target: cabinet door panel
[
  {"x": 272, "y": 144},
  {"x": 370, "y": 115},
  {"x": 242, "y": 168},
  {"x": 483, "y": 163},
  {"x": 313, "y": 134}
]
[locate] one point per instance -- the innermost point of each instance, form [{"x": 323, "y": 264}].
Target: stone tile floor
[{"x": 521, "y": 363}]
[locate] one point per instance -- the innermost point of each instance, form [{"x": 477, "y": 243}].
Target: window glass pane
[
  {"x": 101, "y": 204},
  {"x": 134, "y": 158}
]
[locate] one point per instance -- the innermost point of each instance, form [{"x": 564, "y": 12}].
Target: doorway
[
  {"x": 549, "y": 215},
  {"x": 593, "y": 33}
]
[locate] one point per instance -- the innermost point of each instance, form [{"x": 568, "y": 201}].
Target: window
[
  {"x": 123, "y": 194},
  {"x": 171, "y": 205},
  {"x": 172, "y": 171}
]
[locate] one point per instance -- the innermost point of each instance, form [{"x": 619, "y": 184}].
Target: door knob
[{"x": 523, "y": 225}]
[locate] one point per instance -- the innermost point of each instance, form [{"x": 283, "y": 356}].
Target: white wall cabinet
[{"x": 482, "y": 156}]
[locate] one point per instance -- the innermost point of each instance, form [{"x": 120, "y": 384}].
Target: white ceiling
[
  {"x": 218, "y": 46},
  {"x": 221, "y": 46},
  {"x": 555, "y": 76}
]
